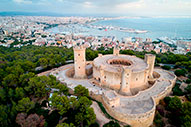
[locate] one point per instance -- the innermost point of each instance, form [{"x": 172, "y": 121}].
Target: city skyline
[{"x": 100, "y": 7}]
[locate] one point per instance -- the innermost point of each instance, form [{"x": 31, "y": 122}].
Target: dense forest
[{"x": 25, "y": 98}]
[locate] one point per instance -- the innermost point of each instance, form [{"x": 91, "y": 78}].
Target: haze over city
[{"x": 101, "y": 7}]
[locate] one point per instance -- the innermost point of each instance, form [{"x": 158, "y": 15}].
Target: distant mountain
[
  {"x": 53, "y": 14},
  {"x": 31, "y": 14}
]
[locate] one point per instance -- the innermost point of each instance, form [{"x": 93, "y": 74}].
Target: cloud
[
  {"x": 23, "y": 1},
  {"x": 60, "y": 0},
  {"x": 137, "y": 4},
  {"x": 88, "y": 4},
  {"x": 125, "y": 7},
  {"x": 43, "y": 2}
]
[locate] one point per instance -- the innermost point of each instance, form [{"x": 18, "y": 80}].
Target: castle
[
  {"x": 129, "y": 87},
  {"x": 126, "y": 74}
]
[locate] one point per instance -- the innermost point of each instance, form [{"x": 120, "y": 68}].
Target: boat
[
  {"x": 167, "y": 41},
  {"x": 140, "y": 31}
]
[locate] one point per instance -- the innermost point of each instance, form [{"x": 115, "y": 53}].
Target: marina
[{"x": 173, "y": 28}]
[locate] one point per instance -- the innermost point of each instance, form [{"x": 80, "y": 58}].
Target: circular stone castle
[{"x": 129, "y": 87}]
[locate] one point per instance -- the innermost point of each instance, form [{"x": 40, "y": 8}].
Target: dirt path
[{"x": 100, "y": 117}]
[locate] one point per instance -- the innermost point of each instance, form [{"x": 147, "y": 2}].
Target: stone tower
[
  {"x": 150, "y": 60},
  {"x": 125, "y": 81},
  {"x": 116, "y": 51},
  {"x": 79, "y": 62}
]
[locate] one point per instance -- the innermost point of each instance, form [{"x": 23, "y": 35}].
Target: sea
[{"x": 173, "y": 28}]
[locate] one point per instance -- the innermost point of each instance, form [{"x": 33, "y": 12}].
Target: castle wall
[
  {"x": 165, "y": 92},
  {"x": 112, "y": 80},
  {"x": 135, "y": 120},
  {"x": 137, "y": 81},
  {"x": 107, "y": 79},
  {"x": 111, "y": 98}
]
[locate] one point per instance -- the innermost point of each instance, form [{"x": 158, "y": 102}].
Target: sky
[{"x": 103, "y": 7}]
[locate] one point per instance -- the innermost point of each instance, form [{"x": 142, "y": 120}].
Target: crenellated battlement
[{"x": 77, "y": 48}]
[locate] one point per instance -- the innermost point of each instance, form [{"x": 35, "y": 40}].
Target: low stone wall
[
  {"x": 165, "y": 92},
  {"x": 135, "y": 120},
  {"x": 96, "y": 97},
  {"x": 70, "y": 73}
]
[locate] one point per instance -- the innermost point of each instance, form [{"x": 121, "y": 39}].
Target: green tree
[
  {"x": 39, "y": 86},
  {"x": 2, "y": 74},
  {"x": 43, "y": 62},
  {"x": 127, "y": 52},
  {"x": 186, "y": 121},
  {"x": 158, "y": 120},
  {"x": 25, "y": 78},
  {"x": 84, "y": 103},
  {"x": 175, "y": 107},
  {"x": 186, "y": 108},
  {"x": 166, "y": 67},
  {"x": 188, "y": 81},
  {"x": 65, "y": 125},
  {"x": 19, "y": 93},
  {"x": 16, "y": 70},
  {"x": 90, "y": 54},
  {"x": 3, "y": 95},
  {"x": 10, "y": 80},
  {"x": 74, "y": 103},
  {"x": 176, "y": 90},
  {"x": 111, "y": 124},
  {"x": 62, "y": 89},
  {"x": 86, "y": 115},
  {"x": 25, "y": 105},
  {"x": 61, "y": 103},
  {"x": 28, "y": 66},
  {"x": 175, "y": 104},
  {"x": 188, "y": 89},
  {"x": 85, "y": 118},
  {"x": 81, "y": 91},
  {"x": 188, "y": 92},
  {"x": 90, "y": 116},
  {"x": 4, "y": 120},
  {"x": 180, "y": 72}
]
